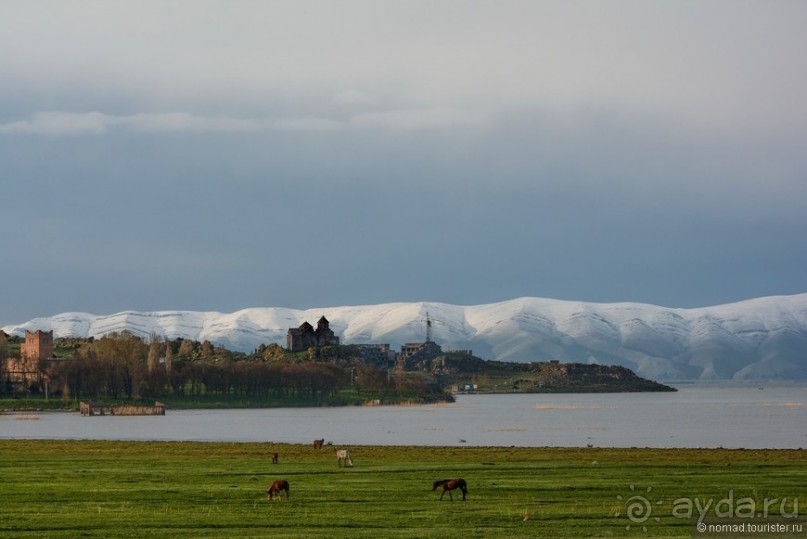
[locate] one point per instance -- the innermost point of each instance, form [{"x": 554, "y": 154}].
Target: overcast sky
[{"x": 201, "y": 155}]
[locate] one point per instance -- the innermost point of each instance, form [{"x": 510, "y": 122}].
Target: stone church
[{"x": 305, "y": 336}]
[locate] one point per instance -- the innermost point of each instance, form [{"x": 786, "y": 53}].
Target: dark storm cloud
[{"x": 220, "y": 158}]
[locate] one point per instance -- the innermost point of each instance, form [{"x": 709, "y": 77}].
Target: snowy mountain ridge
[{"x": 763, "y": 338}]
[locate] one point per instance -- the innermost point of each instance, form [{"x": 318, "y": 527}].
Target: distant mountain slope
[{"x": 764, "y": 338}]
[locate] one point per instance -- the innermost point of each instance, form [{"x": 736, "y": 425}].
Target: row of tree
[
  {"x": 4, "y": 387},
  {"x": 124, "y": 366},
  {"x": 123, "y": 379}
]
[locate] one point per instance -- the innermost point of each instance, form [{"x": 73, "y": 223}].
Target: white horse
[{"x": 343, "y": 456}]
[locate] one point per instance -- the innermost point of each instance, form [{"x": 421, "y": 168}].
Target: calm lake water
[{"x": 695, "y": 416}]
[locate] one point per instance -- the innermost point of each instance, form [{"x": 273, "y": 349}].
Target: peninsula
[{"x": 313, "y": 370}]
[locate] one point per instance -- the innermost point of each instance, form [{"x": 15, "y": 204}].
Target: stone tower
[{"x": 37, "y": 345}]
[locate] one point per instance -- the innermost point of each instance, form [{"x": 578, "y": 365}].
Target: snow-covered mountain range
[{"x": 764, "y": 338}]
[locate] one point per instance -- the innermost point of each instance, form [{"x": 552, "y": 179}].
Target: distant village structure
[
  {"x": 305, "y": 337},
  {"x": 380, "y": 355},
  {"x": 412, "y": 352}
]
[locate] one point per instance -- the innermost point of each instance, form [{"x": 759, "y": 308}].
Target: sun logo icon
[{"x": 637, "y": 507}]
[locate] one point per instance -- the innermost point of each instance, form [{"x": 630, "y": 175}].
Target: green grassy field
[{"x": 66, "y": 489}]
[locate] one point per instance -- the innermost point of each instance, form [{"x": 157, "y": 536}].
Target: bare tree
[
  {"x": 186, "y": 349},
  {"x": 169, "y": 358},
  {"x": 155, "y": 347},
  {"x": 3, "y": 356},
  {"x": 123, "y": 355}
]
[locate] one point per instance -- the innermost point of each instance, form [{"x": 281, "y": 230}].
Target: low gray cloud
[{"x": 72, "y": 123}]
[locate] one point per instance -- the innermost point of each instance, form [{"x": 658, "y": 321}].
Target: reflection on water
[{"x": 695, "y": 416}]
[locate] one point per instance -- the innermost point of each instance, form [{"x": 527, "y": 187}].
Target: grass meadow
[{"x": 110, "y": 489}]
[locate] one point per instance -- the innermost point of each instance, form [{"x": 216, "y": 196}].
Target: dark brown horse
[
  {"x": 318, "y": 443},
  {"x": 276, "y": 487},
  {"x": 449, "y": 485},
  {"x": 274, "y": 458}
]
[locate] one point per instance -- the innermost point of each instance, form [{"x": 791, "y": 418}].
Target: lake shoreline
[{"x": 74, "y": 406}]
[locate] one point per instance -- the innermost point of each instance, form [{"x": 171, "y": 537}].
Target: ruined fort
[{"x": 25, "y": 372}]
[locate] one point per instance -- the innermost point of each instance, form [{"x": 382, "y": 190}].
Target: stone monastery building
[{"x": 305, "y": 336}]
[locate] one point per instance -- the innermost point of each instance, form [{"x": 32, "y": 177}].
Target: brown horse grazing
[
  {"x": 276, "y": 487},
  {"x": 274, "y": 458},
  {"x": 449, "y": 485},
  {"x": 318, "y": 443}
]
